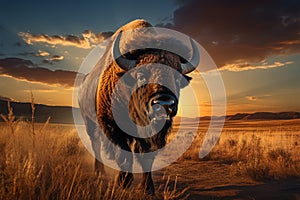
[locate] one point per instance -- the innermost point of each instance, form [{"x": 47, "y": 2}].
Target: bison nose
[{"x": 164, "y": 103}]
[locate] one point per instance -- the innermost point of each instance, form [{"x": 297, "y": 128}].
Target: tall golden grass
[
  {"x": 47, "y": 161},
  {"x": 262, "y": 153}
]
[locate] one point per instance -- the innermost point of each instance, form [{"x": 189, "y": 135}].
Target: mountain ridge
[
  {"x": 57, "y": 114},
  {"x": 64, "y": 114}
]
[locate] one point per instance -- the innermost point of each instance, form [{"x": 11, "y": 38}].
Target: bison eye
[{"x": 141, "y": 78}]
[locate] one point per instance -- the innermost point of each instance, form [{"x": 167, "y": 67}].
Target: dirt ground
[{"x": 214, "y": 180}]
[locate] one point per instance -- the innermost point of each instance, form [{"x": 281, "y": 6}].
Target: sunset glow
[{"x": 258, "y": 59}]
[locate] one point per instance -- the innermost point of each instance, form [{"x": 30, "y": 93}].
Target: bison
[{"x": 142, "y": 87}]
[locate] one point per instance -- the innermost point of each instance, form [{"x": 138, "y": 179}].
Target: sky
[{"x": 255, "y": 45}]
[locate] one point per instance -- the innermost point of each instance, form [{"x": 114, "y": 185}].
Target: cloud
[
  {"x": 55, "y": 58},
  {"x": 26, "y": 70},
  {"x": 69, "y": 40},
  {"x": 242, "y": 66},
  {"x": 251, "y": 98},
  {"x": 236, "y": 30},
  {"x": 255, "y": 98},
  {"x": 86, "y": 41},
  {"x": 48, "y": 58},
  {"x": 96, "y": 38},
  {"x": 42, "y": 53},
  {"x": 41, "y": 90}
]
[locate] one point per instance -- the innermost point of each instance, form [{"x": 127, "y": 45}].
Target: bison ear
[
  {"x": 185, "y": 81},
  {"x": 129, "y": 81}
]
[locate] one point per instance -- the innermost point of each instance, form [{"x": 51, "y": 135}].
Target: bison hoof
[
  {"x": 125, "y": 179},
  {"x": 150, "y": 192},
  {"x": 149, "y": 189}
]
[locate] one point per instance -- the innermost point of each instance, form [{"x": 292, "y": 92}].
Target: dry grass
[
  {"x": 262, "y": 153},
  {"x": 47, "y": 161}
]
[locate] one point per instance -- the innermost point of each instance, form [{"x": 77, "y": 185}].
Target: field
[{"x": 252, "y": 160}]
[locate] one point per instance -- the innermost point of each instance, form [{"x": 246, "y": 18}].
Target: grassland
[{"x": 252, "y": 160}]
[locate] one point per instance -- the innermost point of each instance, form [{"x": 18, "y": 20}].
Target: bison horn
[
  {"x": 124, "y": 63},
  {"x": 127, "y": 64},
  {"x": 194, "y": 62}
]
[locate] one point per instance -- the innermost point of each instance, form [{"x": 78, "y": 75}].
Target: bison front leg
[
  {"x": 147, "y": 182},
  {"x": 124, "y": 160},
  {"x": 96, "y": 145},
  {"x": 94, "y": 134}
]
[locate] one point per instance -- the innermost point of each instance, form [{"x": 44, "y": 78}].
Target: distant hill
[
  {"x": 264, "y": 116},
  {"x": 253, "y": 116},
  {"x": 58, "y": 114},
  {"x": 63, "y": 114}
]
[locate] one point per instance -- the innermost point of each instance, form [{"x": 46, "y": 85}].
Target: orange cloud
[
  {"x": 242, "y": 66},
  {"x": 26, "y": 70},
  {"x": 290, "y": 42},
  {"x": 251, "y": 98},
  {"x": 86, "y": 41},
  {"x": 55, "y": 58},
  {"x": 96, "y": 38},
  {"x": 42, "y": 53},
  {"x": 255, "y": 98}
]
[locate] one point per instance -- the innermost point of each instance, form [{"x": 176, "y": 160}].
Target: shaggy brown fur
[{"x": 138, "y": 99}]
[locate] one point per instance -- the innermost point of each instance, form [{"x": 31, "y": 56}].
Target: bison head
[{"x": 155, "y": 77}]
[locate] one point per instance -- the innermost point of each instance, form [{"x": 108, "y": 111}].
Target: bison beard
[
  {"x": 144, "y": 112},
  {"x": 150, "y": 104}
]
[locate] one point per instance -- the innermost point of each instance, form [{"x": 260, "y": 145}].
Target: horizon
[
  {"x": 259, "y": 62},
  {"x": 177, "y": 116}
]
